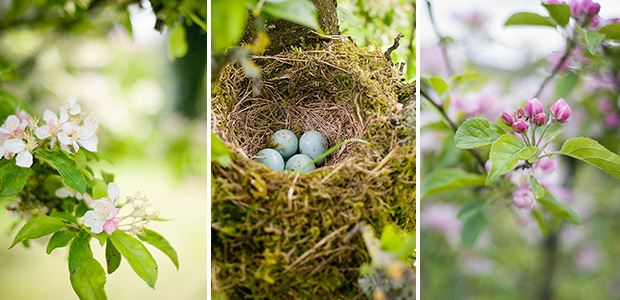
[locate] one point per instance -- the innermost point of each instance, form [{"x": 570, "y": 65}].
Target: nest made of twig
[{"x": 282, "y": 236}]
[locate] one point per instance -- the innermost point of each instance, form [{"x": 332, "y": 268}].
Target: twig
[
  {"x": 570, "y": 44},
  {"x": 388, "y": 52},
  {"x": 443, "y": 113},
  {"x": 316, "y": 246},
  {"x": 442, "y": 40}
]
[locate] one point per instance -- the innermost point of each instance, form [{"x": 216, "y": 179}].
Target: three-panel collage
[{"x": 309, "y": 149}]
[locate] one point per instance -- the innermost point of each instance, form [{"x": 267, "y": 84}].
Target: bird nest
[{"x": 281, "y": 235}]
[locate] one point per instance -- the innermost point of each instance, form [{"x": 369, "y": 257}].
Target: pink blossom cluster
[{"x": 533, "y": 115}]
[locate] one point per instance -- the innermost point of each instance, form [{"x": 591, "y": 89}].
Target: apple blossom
[
  {"x": 103, "y": 211},
  {"x": 111, "y": 225},
  {"x": 76, "y": 136},
  {"x": 12, "y": 127},
  {"x": 524, "y": 198},
  {"x": 69, "y": 107},
  {"x": 520, "y": 126},
  {"x": 560, "y": 110},
  {"x": 540, "y": 119},
  {"x": 508, "y": 118},
  {"x": 19, "y": 147},
  {"x": 533, "y": 107}
]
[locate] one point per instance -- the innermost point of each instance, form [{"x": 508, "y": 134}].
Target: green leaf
[
  {"x": 399, "y": 243},
  {"x": 527, "y": 18},
  {"x": 590, "y": 151},
  {"x": 566, "y": 84},
  {"x": 472, "y": 229},
  {"x": 107, "y": 177},
  {"x": 38, "y": 227},
  {"x": 467, "y": 76},
  {"x": 438, "y": 85},
  {"x": 65, "y": 216},
  {"x": 219, "y": 151},
  {"x": 559, "y": 209},
  {"x": 59, "y": 239},
  {"x": 477, "y": 133},
  {"x": 112, "y": 257},
  {"x": 160, "y": 243},
  {"x": 66, "y": 167},
  {"x": 537, "y": 189},
  {"x": 19, "y": 7},
  {"x": 593, "y": 39},
  {"x": 100, "y": 189},
  {"x": 505, "y": 153},
  {"x": 136, "y": 254},
  {"x": 177, "y": 45},
  {"x": 541, "y": 221},
  {"x": 470, "y": 208},
  {"x": 86, "y": 274},
  {"x": 14, "y": 177},
  {"x": 611, "y": 31},
  {"x": 228, "y": 20},
  {"x": 345, "y": 16},
  {"x": 452, "y": 178},
  {"x": 559, "y": 12},
  {"x": 302, "y": 12}
]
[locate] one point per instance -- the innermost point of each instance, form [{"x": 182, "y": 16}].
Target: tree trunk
[{"x": 283, "y": 34}]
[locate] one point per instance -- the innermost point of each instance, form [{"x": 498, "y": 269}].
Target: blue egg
[
  {"x": 313, "y": 144},
  {"x": 298, "y": 161},
  {"x": 270, "y": 158},
  {"x": 285, "y": 142}
]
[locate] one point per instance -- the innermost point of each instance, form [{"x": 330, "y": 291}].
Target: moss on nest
[{"x": 279, "y": 236}]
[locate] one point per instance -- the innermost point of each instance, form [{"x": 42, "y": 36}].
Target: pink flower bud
[
  {"x": 540, "y": 119},
  {"x": 524, "y": 198},
  {"x": 591, "y": 8},
  {"x": 508, "y": 118},
  {"x": 520, "y": 126},
  {"x": 533, "y": 107},
  {"x": 560, "y": 110},
  {"x": 520, "y": 113}
]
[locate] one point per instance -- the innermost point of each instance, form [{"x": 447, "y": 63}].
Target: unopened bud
[
  {"x": 520, "y": 126},
  {"x": 560, "y": 110},
  {"x": 533, "y": 107},
  {"x": 508, "y": 118},
  {"x": 540, "y": 119}
]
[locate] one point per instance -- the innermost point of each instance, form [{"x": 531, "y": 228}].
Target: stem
[
  {"x": 526, "y": 139},
  {"x": 545, "y": 130},
  {"x": 442, "y": 40},
  {"x": 452, "y": 125},
  {"x": 570, "y": 45}
]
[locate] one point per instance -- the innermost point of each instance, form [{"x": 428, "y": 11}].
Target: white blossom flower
[
  {"x": 53, "y": 127},
  {"x": 12, "y": 127},
  {"x": 76, "y": 136},
  {"x": 102, "y": 212},
  {"x": 18, "y": 146},
  {"x": 65, "y": 192},
  {"x": 70, "y": 106}
]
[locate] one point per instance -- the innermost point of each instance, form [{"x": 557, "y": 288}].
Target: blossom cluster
[
  {"x": 20, "y": 134},
  {"x": 524, "y": 122},
  {"x": 105, "y": 215}
]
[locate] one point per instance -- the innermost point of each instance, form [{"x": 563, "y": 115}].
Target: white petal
[
  {"x": 64, "y": 138},
  {"x": 113, "y": 191},
  {"x": 53, "y": 143},
  {"x": 75, "y": 109},
  {"x": 91, "y": 120},
  {"x": 76, "y": 147},
  {"x": 86, "y": 132},
  {"x": 69, "y": 127},
  {"x": 66, "y": 148},
  {"x": 24, "y": 159},
  {"x": 15, "y": 145},
  {"x": 49, "y": 115},
  {"x": 91, "y": 218},
  {"x": 70, "y": 101},
  {"x": 42, "y": 132},
  {"x": 88, "y": 144},
  {"x": 12, "y": 120},
  {"x": 64, "y": 116},
  {"x": 63, "y": 192}
]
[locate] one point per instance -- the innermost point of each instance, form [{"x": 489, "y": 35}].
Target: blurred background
[
  {"x": 513, "y": 258},
  {"x": 152, "y": 111}
]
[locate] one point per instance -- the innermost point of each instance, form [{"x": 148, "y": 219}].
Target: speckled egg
[
  {"x": 313, "y": 144},
  {"x": 298, "y": 161},
  {"x": 270, "y": 158},
  {"x": 285, "y": 142}
]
